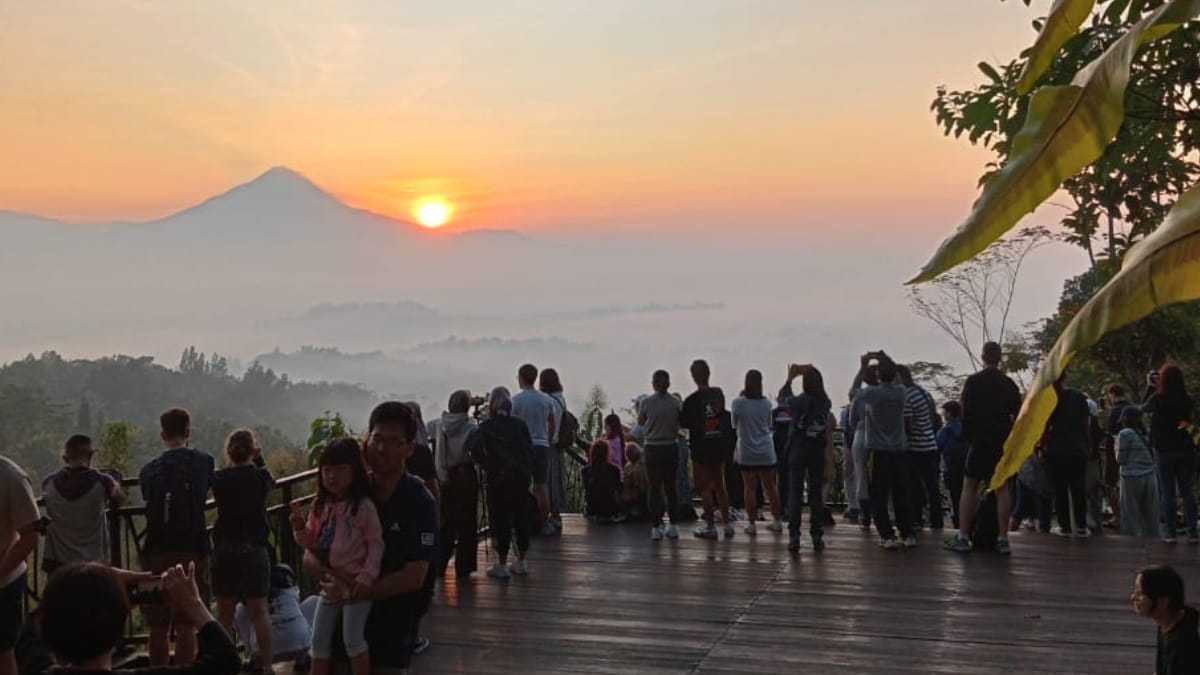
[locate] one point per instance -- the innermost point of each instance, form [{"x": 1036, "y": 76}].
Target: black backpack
[
  {"x": 568, "y": 428},
  {"x": 171, "y": 508}
]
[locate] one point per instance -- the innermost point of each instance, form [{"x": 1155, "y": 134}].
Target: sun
[{"x": 433, "y": 214}]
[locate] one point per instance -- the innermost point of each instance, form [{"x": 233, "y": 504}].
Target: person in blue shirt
[{"x": 952, "y": 445}]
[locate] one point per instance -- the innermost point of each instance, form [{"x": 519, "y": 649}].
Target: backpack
[
  {"x": 810, "y": 430},
  {"x": 568, "y": 429},
  {"x": 985, "y": 529},
  {"x": 170, "y": 508}
]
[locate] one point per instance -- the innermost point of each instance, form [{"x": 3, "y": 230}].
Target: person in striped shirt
[{"x": 923, "y": 458}]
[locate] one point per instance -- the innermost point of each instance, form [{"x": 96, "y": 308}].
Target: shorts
[
  {"x": 12, "y": 615},
  {"x": 241, "y": 571},
  {"x": 541, "y": 464},
  {"x": 981, "y": 462},
  {"x": 709, "y": 455},
  {"x": 159, "y": 616}
]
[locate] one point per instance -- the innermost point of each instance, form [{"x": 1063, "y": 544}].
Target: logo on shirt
[
  {"x": 395, "y": 527},
  {"x": 427, "y": 539}
]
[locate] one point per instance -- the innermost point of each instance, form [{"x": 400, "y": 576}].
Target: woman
[
  {"x": 755, "y": 451},
  {"x": 614, "y": 436},
  {"x": 504, "y": 449},
  {"x": 1170, "y": 408},
  {"x": 810, "y": 455},
  {"x": 556, "y": 482},
  {"x": 459, "y": 484}
]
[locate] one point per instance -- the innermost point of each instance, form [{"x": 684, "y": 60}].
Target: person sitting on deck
[
  {"x": 1158, "y": 594},
  {"x": 602, "y": 486},
  {"x": 635, "y": 486}
]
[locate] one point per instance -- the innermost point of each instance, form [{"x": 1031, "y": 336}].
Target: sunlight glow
[{"x": 433, "y": 214}]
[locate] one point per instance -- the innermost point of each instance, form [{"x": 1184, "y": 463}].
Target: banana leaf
[
  {"x": 1162, "y": 269},
  {"x": 1066, "y": 16},
  {"x": 1066, "y": 129}
]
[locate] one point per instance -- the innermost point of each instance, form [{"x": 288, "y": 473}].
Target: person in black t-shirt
[
  {"x": 707, "y": 439},
  {"x": 241, "y": 562},
  {"x": 1158, "y": 594}
]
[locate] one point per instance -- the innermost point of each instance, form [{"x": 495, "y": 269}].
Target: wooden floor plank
[{"x": 605, "y": 599}]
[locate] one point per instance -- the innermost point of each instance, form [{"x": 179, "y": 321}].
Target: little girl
[
  {"x": 343, "y": 532},
  {"x": 1139, "y": 485},
  {"x": 614, "y": 434}
]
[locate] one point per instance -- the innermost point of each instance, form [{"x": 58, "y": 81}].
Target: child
[
  {"x": 614, "y": 436},
  {"x": 343, "y": 532},
  {"x": 602, "y": 486},
  {"x": 291, "y": 634},
  {"x": 636, "y": 485},
  {"x": 1139, "y": 486},
  {"x": 75, "y": 497},
  {"x": 241, "y": 562}
]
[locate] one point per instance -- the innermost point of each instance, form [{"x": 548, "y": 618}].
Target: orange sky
[{"x": 526, "y": 115}]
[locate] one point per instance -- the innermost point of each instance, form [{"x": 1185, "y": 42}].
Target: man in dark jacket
[{"x": 1158, "y": 595}]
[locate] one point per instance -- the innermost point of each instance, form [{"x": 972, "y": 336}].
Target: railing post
[
  {"x": 113, "y": 519},
  {"x": 287, "y": 544}
]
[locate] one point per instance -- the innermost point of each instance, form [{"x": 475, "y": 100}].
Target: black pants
[
  {"x": 508, "y": 511},
  {"x": 954, "y": 485},
  {"x": 925, "y": 472},
  {"x": 460, "y": 520},
  {"x": 1068, "y": 474},
  {"x": 889, "y": 478},
  {"x": 806, "y": 468},
  {"x": 662, "y": 463}
]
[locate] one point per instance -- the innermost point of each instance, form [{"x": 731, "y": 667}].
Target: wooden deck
[{"x": 605, "y": 599}]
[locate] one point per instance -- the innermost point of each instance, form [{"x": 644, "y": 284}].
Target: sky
[{"x": 547, "y": 116}]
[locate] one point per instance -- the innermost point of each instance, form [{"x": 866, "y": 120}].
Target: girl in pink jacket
[{"x": 343, "y": 532}]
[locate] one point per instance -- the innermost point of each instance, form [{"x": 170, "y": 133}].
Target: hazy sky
[{"x": 547, "y": 115}]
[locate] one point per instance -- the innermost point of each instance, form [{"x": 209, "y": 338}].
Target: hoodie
[
  {"x": 75, "y": 499},
  {"x": 1179, "y": 649},
  {"x": 449, "y": 435}
]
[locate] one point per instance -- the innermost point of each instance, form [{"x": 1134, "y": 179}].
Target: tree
[
  {"x": 83, "y": 417},
  {"x": 971, "y": 304},
  {"x": 939, "y": 378},
  {"x": 325, "y": 429},
  {"x": 115, "y": 447},
  {"x": 592, "y": 420}
]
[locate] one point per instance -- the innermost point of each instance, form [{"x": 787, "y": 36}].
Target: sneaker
[
  {"x": 1083, "y": 533},
  {"x": 1029, "y": 524},
  {"x": 818, "y": 544},
  {"x": 548, "y": 530},
  {"x": 421, "y": 646},
  {"x": 750, "y": 529},
  {"x": 729, "y": 530},
  {"x": 520, "y": 568},
  {"x": 1002, "y": 546},
  {"x": 499, "y": 571},
  {"x": 707, "y": 531},
  {"x": 775, "y": 526},
  {"x": 958, "y": 543},
  {"x": 889, "y": 544},
  {"x": 865, "y": 524},
  {"x": 656, "y": 533},
  {"x": 672, "y": 531},
  {"x": 1168, "y": 540},
  {"x": 1062, "y": 531},
  {"x": 793, "y": 546},
  {"x": 910, "y": 542}
]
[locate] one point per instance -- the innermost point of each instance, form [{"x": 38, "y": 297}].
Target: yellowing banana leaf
[
  {"x": 1066, "y": 129},
  {"x": 1066, "y": 16},
  {"x": 1162, "y": 269}
]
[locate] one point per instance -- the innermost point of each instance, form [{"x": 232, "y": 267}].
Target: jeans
[
  {"x": 460, "y": 520},
  {"x": 1139, "y": 505},
  {"x": 889, "y": 479},
  {"x": 1175, "y": 470},
  {"x": 354, "y": 623},
  {"x": 662, "y": 463},
  {"x": 806, "y": 468},
  {"x": 850, "y": 478},
  {"x": 508, "y": 510},
  {"x": 1029, "y": 504},
  {"x": 925, "y": 469},
  {"x": 1068, "y": 474}
]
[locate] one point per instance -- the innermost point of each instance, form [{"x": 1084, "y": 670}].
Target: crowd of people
[{"x": 393, "y": 508}]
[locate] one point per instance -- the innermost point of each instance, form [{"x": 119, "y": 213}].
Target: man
[
  {"x": 175, "y": 487},
  {"x": 990, "y": 404},
  {"x": 1158, "y": 594},
  {"x": 849, "y": 476},
  {"x": 888, "y": 421},
  {"x": 660, "y": 417},
  {"x": 701, "y": 416},
  {"x": 408, "y": 516},
  {"x": 76, "y": 497},
  {"x": 1117, "y": 401},
  {"x": 19, "y": 531},
  {"x": 923, "y": 459},
  {"x": 537, "y": 411}
]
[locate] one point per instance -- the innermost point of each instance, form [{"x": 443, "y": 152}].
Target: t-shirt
[
  {"x": 420, "y": 464},
  {"x": 1179, "y": 650},
  {"x": 19, "y": 511},
  {"x": 701, "y": 416},
  {"x": 409, "y": 522},
  {"x": 241, "y": 495},
  {"x": 885, "y": 409},
  {"x": 199, "y": 468},
  {"x": 534, "y": 409},
  {"x": 752, "y": 422},
  {"x": 75, "y": 498},
  {"x": 1066, "y": 432},
  {"x": 1166, "y": 414},
  {"x": 662, "y": 418},
  {"x": 990, "y": 403},
  {"x": 920, "y": 408}
]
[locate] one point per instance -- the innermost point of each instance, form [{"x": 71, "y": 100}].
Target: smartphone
[{"x": 146, "y": 592}]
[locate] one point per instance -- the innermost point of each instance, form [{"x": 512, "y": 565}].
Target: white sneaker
[
  {"x": 775, "y": 526},
  {"x": 520, "y": 568},
  {"x": 1062, "y": 531},
  {"x": 707, "y": 531},
  {"x": 729, "y": 530},
  {"x": 750, "y": 529},
  {"x": 889, "y": 544},
  {"x": 499, "y": 571},
  {"x": 656, "y": 533},
  {"x": 910, "y": 542},
  {"x": 672, "y": 531}
]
